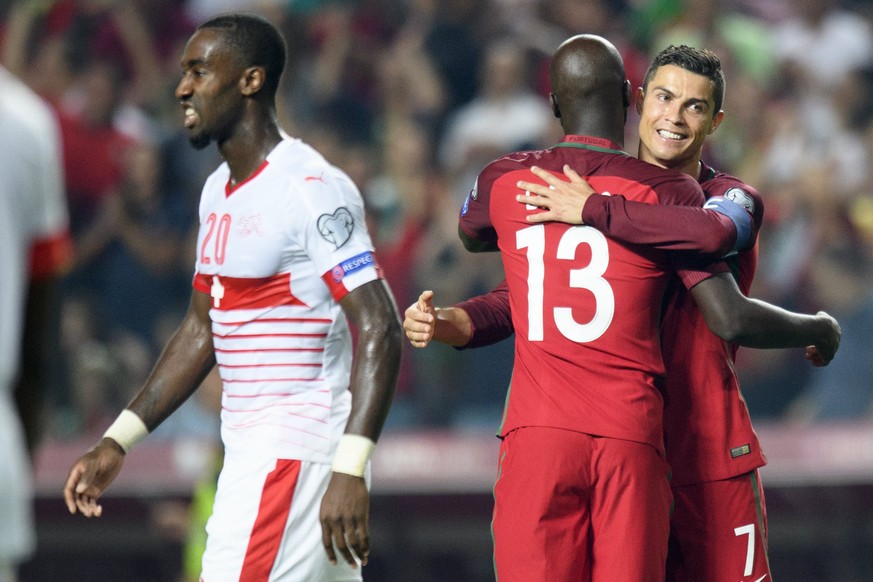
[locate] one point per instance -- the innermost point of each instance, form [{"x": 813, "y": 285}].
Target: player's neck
[
  {"x": 690, "y": 166},
  {"x": 247, "y": 149}
]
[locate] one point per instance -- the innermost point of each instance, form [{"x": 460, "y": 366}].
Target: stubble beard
[{"x": 199, "y": 141}]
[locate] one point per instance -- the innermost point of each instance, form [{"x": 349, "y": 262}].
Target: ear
[
  {"x": 716, "y": 121},
  {"x": 252, "y": 80},
  {"x": 639, "y": 96},
  {"x": 553, "y": 101}
]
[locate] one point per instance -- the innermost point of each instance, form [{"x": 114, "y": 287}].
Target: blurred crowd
[{"x": 412, "y": 98}]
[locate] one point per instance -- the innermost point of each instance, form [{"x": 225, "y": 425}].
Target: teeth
[{"x": 669, "y": 134}]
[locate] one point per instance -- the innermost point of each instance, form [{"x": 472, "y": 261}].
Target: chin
[{"x": 199, "y": 141}]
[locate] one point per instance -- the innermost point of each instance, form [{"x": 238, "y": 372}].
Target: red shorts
[
  {"x": 719, "y": 532},
  {"x": 571, "y": 506}
]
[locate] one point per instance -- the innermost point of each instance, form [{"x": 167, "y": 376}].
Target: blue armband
[{"x": 738, "y": 206}]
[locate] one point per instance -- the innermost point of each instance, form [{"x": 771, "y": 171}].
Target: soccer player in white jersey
[
  {"x": 34, "y": 249},
  {"x": 284, "y": 263}
]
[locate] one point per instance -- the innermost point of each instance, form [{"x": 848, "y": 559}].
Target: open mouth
[
  {"x": 670, "y": 135},
  {"x": 190, "y": 117}
]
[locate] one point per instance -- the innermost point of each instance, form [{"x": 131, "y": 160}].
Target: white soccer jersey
[
  {"x": 277, "y": 253},
  {"x": 33, "y": 235}
]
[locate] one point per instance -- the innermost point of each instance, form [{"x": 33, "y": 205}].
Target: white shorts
[{"x": 265, "y": 524}]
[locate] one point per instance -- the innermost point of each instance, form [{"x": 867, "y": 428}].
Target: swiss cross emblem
[{"x": 216, "y": 291}]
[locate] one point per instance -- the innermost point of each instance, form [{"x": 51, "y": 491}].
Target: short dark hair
[
  {"x": 694, "y": 60},
  {"x": 256, "y": 42}
]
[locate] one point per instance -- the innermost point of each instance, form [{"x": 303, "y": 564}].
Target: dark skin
[
  {"x": 225, "y": 101},
  {"x": 580, "y": 65}
]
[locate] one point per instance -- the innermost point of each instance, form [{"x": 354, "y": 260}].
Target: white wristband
[
  {"x": 127, "y": 430},
  {"x": 352, "y": 454}
]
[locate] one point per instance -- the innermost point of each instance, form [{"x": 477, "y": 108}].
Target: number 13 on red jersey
[{"x": 589, "y": 277}]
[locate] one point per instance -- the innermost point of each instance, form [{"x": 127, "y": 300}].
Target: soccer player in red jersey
[
  {"x": 713, "y": 451},
  {"x": 582, "y": 488}
]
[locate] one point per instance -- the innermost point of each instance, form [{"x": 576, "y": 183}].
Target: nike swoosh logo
[{"x": 761, "y": 578}]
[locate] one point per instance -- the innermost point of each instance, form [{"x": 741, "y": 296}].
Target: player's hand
[
  {"x": 561, "y": 200},
  {"x": 419, "y": 320},
  {"x": 90, "y": 476},
  {"x": 345, "y": 511},
  {"x": 821, "y": 354}
]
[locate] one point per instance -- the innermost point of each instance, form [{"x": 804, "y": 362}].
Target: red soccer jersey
[
  {"x": 708, "y": 432},
  {"x": 586, "y": 310}
]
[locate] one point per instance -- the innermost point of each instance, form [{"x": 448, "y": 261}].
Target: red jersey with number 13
[{"x": 586, "y": 310}]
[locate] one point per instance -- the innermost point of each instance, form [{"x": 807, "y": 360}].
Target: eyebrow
[
  {"x": 194, "y": 63},
  {"x": 693, "y": 100}
]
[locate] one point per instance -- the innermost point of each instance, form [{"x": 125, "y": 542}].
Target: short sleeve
[{"x": 334, "y": 234}]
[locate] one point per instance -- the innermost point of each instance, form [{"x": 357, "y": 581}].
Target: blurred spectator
[
  {"x": 94, "y": 147},
  {"x": 131, "y": 250},
  {"x": 454, "y": 32},
  {"x": 821, "y": 44},
  {"x": 841, "y": 279},
  {"x": 504, "y": 116}
]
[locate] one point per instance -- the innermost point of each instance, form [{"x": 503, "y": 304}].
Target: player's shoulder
[
  {"x": 35, "y": 113},
  {"x": 515, "y": 160},
  {"x": 669, "y": 186},
  {"x": 303, "y": 165},
  {"x": 721, "y": 184}
]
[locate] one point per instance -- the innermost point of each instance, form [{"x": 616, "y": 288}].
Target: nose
[
  {"x": 674, "y": 113},
  {"x": 183, "y": 89}
]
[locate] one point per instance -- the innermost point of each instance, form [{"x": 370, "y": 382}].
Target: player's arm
[
  {"x": 181, "y": 368},
  {"x": 475, "y": 245},
  {"x": 423, "y": 322},
  {"x": 40, "y": 325},
  {"x": 345, "y": 507},
  {"x": 719, "y": 228},
  {"x": 371, "y": 309},
  {"x": 753, "y": 323},
  {"x": 481, "y": 321},
  {"x": 474, "y": 225}
]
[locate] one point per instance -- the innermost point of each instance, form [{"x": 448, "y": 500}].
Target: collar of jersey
[
  {"x": 706, "y": 173},
  {"x": 231, "y": 188},
  {"x": 589, "y": 142}
]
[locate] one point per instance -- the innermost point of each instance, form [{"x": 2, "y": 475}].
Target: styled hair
[
  {"x": 694, "y": 60},
  {"x": 256, "y": 42}
]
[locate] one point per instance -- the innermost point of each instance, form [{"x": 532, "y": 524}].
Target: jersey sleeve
[
  {"x": 475, "y": 219},
  {"x": 334, "y": 233},
  {"x": 739, "y": 202},
  {"x": 677, "y": 192},
  {"x": 52, "y": 249},
  {"x": 715, "y": 229},
  {"x": 692, "y": 269},
  {"x": 490, "y": 316}
]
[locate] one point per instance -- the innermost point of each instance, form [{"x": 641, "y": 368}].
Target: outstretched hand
[
  {"x": 561, "y": 200},
  {"x": 419, "y": 320},
  {"x": 90, "y": 476}
]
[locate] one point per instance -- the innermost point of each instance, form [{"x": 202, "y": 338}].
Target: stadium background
[{"x": 411, "y": 98}]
